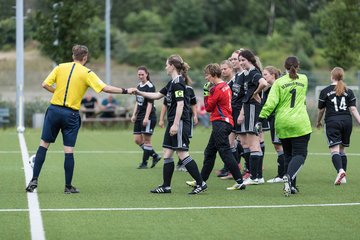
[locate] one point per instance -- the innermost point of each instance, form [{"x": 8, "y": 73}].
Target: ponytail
[{"x": 337, "y": 74}]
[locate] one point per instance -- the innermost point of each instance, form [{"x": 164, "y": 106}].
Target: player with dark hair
[
  {"x": 176, "y": 137},
  {"x": 217, "y": 99},
  {"x": 339, "y": 103},
  {"x": 287, "y": 98},
  {"x": 254, "y": 84},
  {"x": 144, "y": 119},
  {"x": 68, "y": 82}
]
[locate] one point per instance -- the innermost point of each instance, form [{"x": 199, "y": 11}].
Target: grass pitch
[{"x": 115, "y": 202}]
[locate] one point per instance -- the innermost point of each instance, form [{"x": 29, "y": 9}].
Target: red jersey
[{"x": 218, "y": 103}]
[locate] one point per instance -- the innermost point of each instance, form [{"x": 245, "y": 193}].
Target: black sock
[
  {"x": 168, "y": 170},
  {"x": 39, "y": 161},
  {"x": 281, "y": 164},
  {"x": 295, "y": 165},
  {"x": 146, "y": 153},
  {"x": 336, "y": 160},
  {"x": 247, "y": 159},
  {"x": 344, "y": 161},
  {"x": 192, "y": 169},
  {"x": 69, "y": 168},
  {"x": 254, "y": 162}
]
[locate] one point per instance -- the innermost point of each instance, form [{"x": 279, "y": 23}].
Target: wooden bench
[
  {"x": 4, "y": 116},
  {"x": 121, "y": 116}
]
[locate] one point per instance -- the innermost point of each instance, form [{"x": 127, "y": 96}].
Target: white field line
[
  {"x": 133, "y": 152},
  {"x": 186, "y": 208},
  {"x": 36, "y": 224}
]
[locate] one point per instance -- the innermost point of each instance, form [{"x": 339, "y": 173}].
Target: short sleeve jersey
[
  {"x": 337, "y": 107},
  {"x": 287, "y": 97},
  {"x": 174, "y": 92},
  {"x": 143, "y": 102},
  {"x": 238, "y": 92},
  {"x": 72, "y": 80},
  {"x": 251, "y": 82}
]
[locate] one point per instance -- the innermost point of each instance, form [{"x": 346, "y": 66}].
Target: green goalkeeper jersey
[{"x": 287, "y": 98}]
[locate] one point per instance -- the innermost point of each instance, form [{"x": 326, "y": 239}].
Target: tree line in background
[{"x": 321, "y": 33}]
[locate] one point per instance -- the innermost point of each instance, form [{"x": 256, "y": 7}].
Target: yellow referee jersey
[{"x": 72, "y": 80}]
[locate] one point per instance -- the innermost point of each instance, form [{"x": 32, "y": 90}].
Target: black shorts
[
  {"x": 61, "y": 118},
  {"x": 251, "y": 112},
  {"x": 296, "y": 145},
  {"x": 179, "y": 141},
  {"x": 274, "y": 138},
  {"x": 338, "y": 132},
  {"x": 148, "y": 129}
]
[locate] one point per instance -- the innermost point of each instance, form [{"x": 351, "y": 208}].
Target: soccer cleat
[
  {"x": 261, "y": 180},
  {"x": 156, "y": 159},
  {"x": 229, "y": 176},
  {"x": 191, "y": 183},
  {"x": 294, "y": 190},
  {"x": 222, "y": 173},
  {"x": 32, "y": 185},
  {"x": 343, "y": 180},
  {"x": 237, "y": 186},
  {"x": 276, "y": 179},
  {"x": 250, "y": 181},
  {"x": 142, "y": 166},
  {"x": 71, "y": 189},
  {"x": 161, "y": 189},
  {"x": 199, "y": 189},
  {"x": 339, "y": 177},
  {"x": 287, "y": 185}
]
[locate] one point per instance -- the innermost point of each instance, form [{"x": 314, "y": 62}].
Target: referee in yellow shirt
[{"x": 68, "y": 82}]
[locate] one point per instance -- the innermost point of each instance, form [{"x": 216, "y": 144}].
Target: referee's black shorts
[{"x": 61, "y": 118}]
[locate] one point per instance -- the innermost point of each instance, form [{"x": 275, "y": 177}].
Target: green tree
[
  {"x": 340, "y": 25},
  {"x": 67, "y": 23},
  {"x": 187, "y": 21},
  {"x": 144, "y": 21}
]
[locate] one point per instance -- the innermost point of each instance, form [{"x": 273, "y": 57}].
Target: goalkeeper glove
[
  {"x": 206, "y": 89},
  {"x": 258, "y": 128}
]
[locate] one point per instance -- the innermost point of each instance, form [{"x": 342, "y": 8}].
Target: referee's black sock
[
  {"x": 39, "y": 161},
  {"x": 69, "y": 168},
  {"x": 168, "y": 170},
  {"x": 343, "y": 160},
  {"x": 192, "y": 169},
  {"x": 336, "y": 160}
]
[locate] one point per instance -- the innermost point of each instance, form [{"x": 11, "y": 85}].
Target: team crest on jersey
[{"x": 140, "y": 100}]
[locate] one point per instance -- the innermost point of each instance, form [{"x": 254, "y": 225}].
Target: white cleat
[
  {"x": 275, "y": 180},
  {"x": 340, "y": 176},
  {"x": 250, "y": 181},
  {"x": 287, "y": 185}
]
